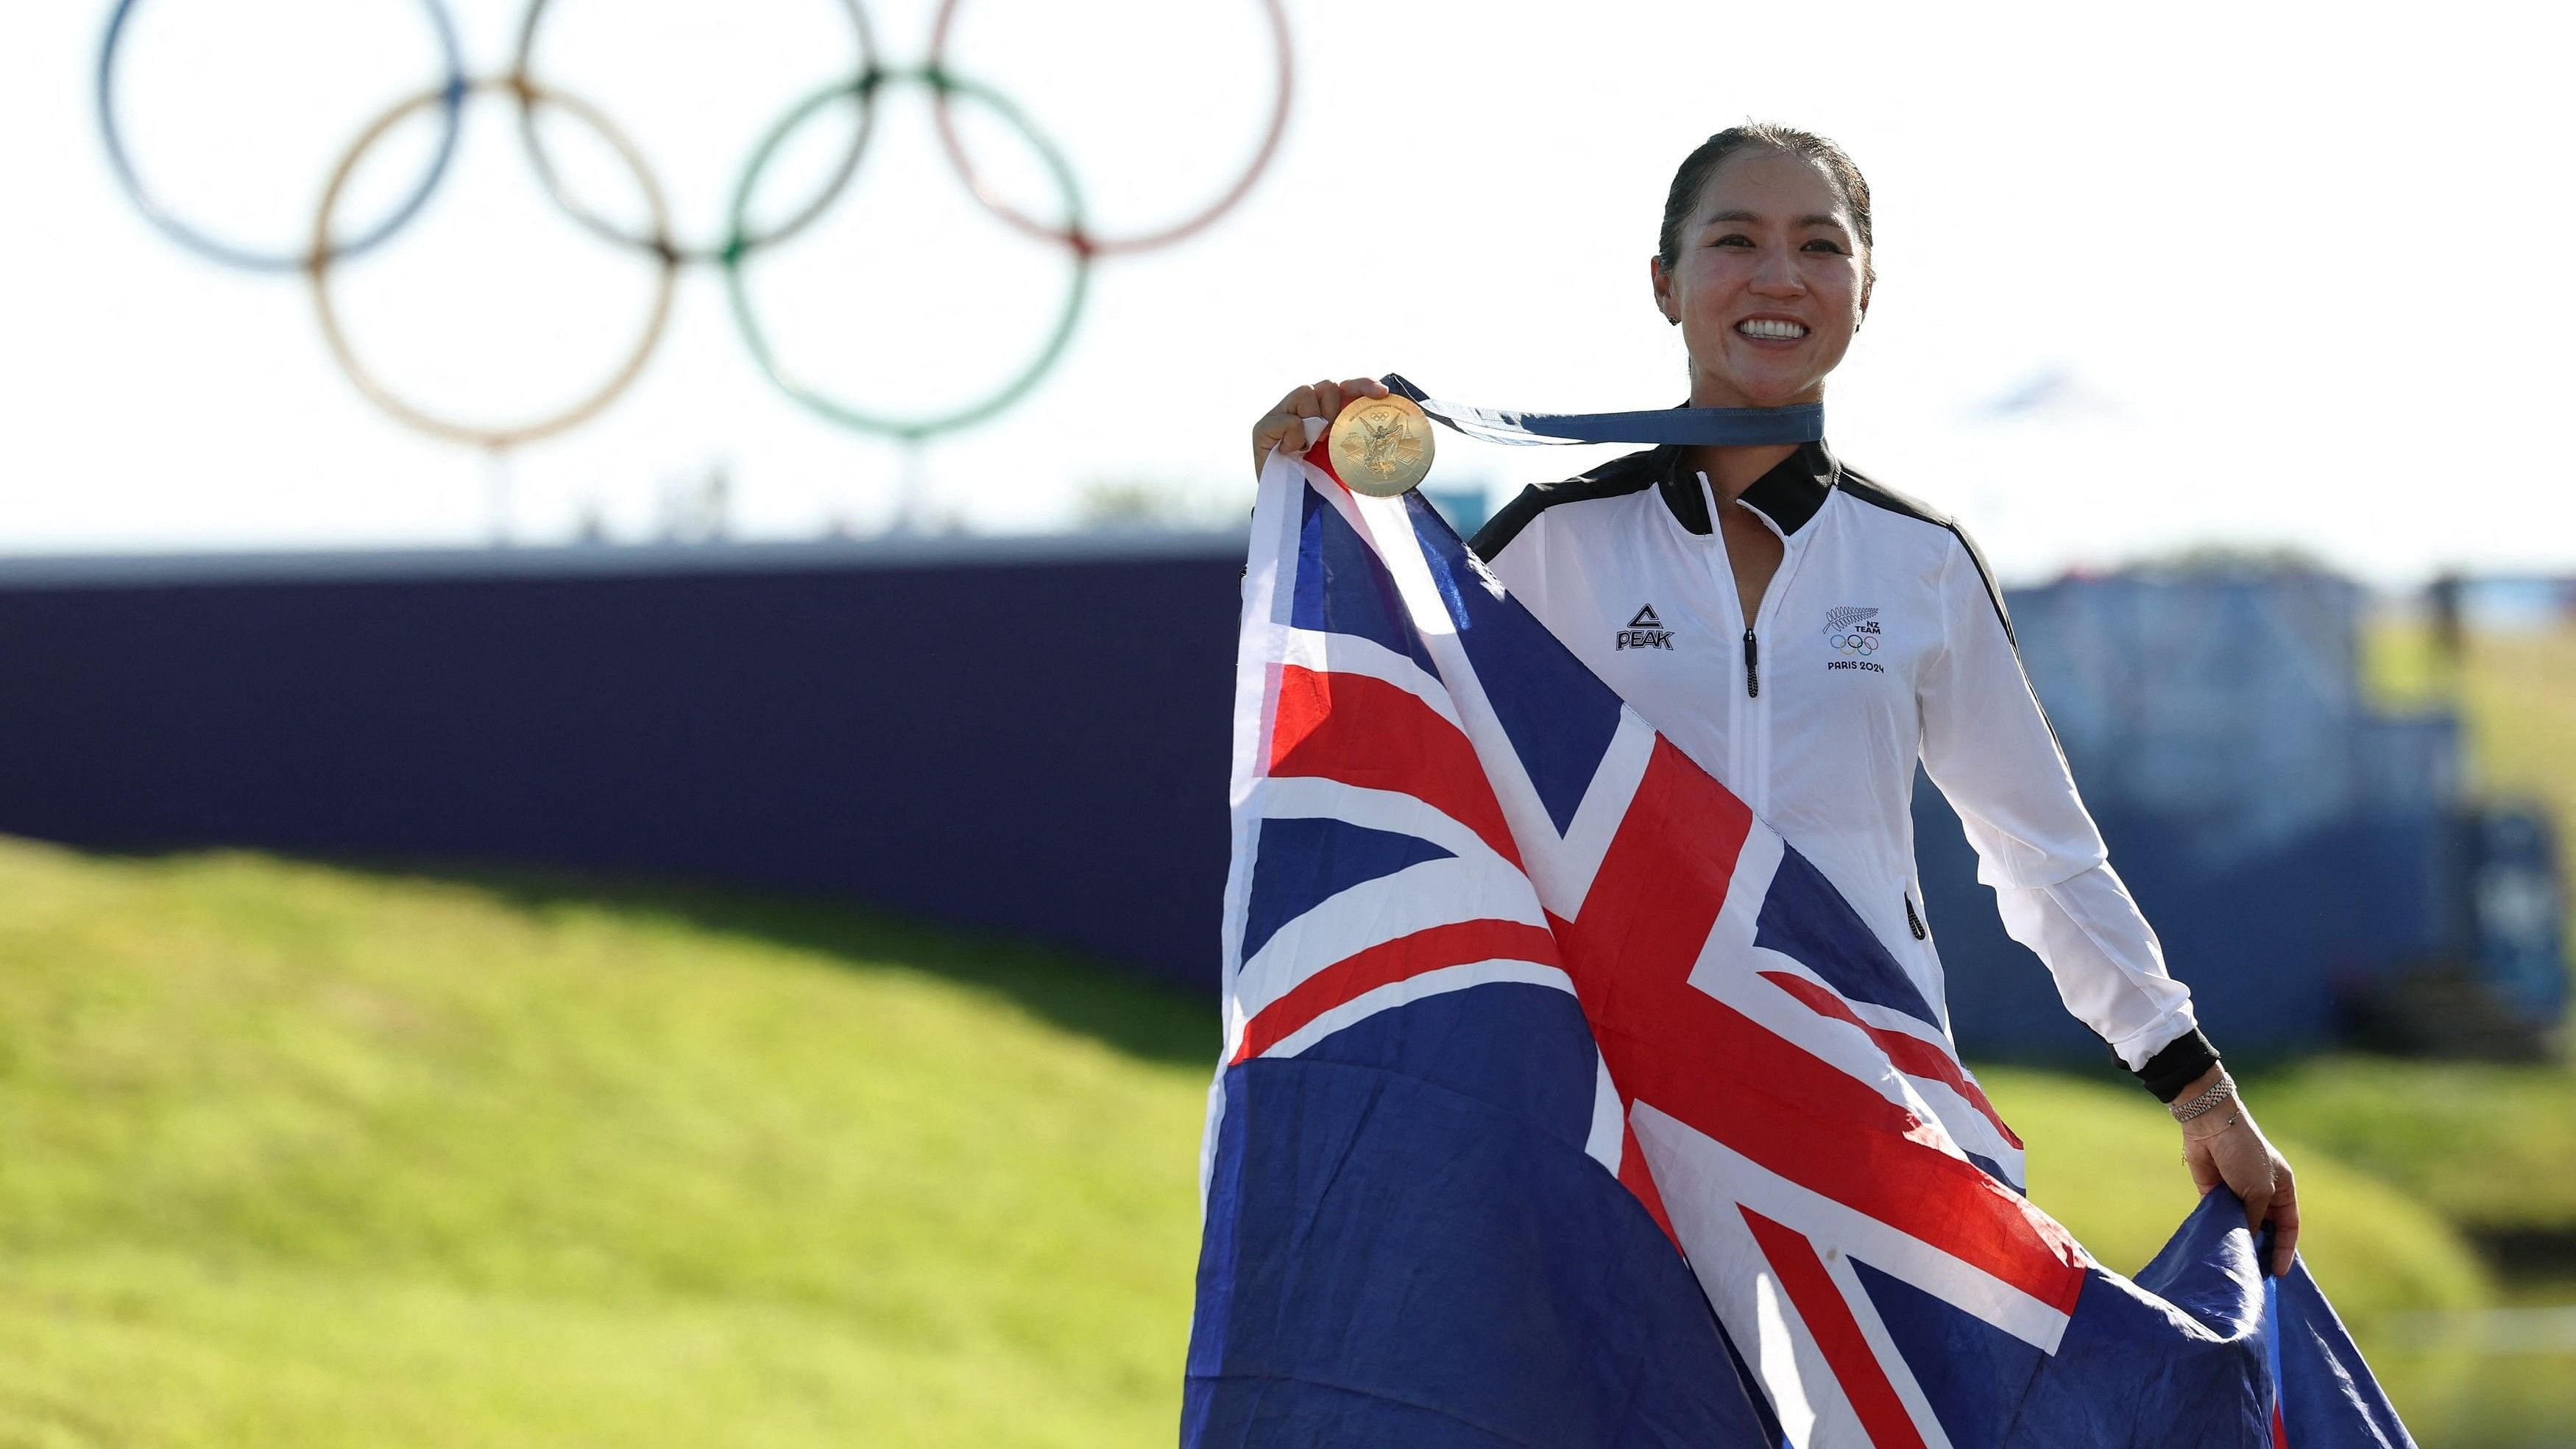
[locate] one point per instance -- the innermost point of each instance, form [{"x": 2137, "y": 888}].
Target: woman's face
[{"x": 1768, "y": 286}]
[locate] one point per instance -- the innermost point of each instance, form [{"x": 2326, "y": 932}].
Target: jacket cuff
[{"x": 2177, "y": 1064}]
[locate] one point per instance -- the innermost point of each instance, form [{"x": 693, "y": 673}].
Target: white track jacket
[{"x": 1881, "y": 641}]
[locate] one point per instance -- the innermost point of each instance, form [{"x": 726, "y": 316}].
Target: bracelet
[
  {"x": 2218, "y": 1131},
  {"x": 2223, "y": 1090}
]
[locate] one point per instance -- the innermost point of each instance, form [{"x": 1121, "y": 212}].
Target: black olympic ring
[
  {"x": 740, "y": 242},
  {"x": 1856, "y": 643}
]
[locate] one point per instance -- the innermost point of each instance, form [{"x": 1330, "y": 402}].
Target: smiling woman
[
  {"x": 1817, "y": 636},
  {"x": 1774, "y": 314}
]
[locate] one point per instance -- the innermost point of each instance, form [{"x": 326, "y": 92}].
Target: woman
[{"x": 1827, "y": 633}]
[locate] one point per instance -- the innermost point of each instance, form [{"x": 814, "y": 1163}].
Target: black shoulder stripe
[
  {"x": 1632, "y": 473},
  {"x": 1986, "y": 575},
  {"x": 1880, "y": 496}
]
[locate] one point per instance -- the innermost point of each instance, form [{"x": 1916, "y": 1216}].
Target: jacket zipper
[
  {"x": 1752, "y": 666},
  {"x": 1913, "y": 922}
]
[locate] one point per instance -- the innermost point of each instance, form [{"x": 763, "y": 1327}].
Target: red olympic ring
[{"x": 1074, "y": 236}]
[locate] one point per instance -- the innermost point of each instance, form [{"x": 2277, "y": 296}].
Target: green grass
[
  {"x": 2491, "y": 1148},
  {"x": 296, "y": 1155},
  {"x": 299, "y": 1155},
  {"x": 2105, "y": 1160}
]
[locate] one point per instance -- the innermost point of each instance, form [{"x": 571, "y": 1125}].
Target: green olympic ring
[{"x": 737, "y": 248}]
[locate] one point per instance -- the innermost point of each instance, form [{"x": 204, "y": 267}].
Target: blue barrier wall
[
  {"x": 2275, "y": 945},
  {"x": 1026, "y": 737},
  {"x": 1031, "y": 737}
]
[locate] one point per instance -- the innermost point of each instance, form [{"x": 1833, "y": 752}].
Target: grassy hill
[
  {"x": 310, "y": 1156},
  {"x": 291, "y": 1155}
]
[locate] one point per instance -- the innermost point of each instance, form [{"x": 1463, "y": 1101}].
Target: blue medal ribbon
[{"x": 1701, "y": 427}]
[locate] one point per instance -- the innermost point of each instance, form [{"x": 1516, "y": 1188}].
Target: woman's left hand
[{"x": 2227, "y": 1147}]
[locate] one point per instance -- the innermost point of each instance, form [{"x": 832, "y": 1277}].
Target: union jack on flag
[{"x": 1564, "y": 1104}]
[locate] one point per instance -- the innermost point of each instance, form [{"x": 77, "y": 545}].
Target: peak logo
[{"x": 1644, "y": 631}]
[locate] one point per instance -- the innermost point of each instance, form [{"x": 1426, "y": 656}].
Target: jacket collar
[{"x": 1788, "y": 495}]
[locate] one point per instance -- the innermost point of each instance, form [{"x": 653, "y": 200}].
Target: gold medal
[{"x": 1381, "y": 445}]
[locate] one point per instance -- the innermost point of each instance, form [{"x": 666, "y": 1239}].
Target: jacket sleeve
[{"x": 1989, "y": 748}]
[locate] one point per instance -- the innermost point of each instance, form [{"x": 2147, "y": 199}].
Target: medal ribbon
[{"x": 1717, "y": 427}]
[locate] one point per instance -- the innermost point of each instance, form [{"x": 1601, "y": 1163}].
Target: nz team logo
[
  {"x": 1852, "y": 633},
  {"x": 1645, "y": 631}
]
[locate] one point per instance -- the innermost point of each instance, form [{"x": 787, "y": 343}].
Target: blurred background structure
[
  {"x": 2310, "y": 850},
  {"x": 697, "y": 928}
]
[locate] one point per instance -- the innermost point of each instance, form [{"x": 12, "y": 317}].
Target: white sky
[{"x": 2297, "y": 268}]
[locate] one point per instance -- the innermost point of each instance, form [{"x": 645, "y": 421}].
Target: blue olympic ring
[{"x": 451, "y": 121}]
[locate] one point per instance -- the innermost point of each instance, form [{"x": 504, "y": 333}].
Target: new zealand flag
[{"x": 1565, "y": 1105}]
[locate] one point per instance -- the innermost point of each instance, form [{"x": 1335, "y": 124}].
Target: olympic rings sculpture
[{"x": 739, "y": 242}]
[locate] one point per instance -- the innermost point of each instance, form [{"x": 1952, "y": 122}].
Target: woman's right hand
[{"x": 1286, "y": 423}]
